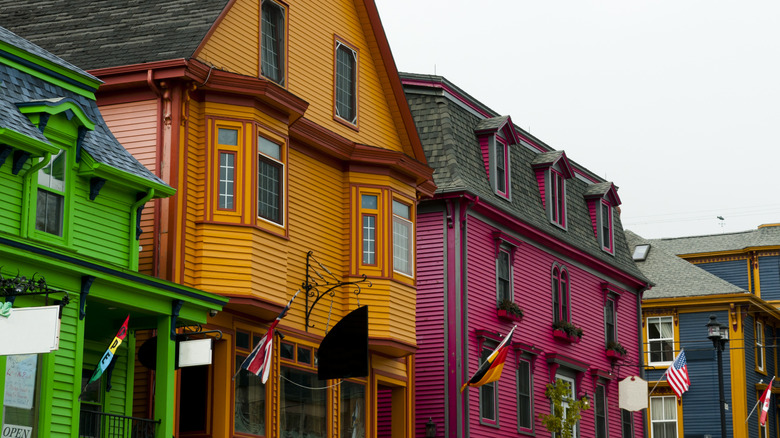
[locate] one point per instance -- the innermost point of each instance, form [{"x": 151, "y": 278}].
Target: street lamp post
[{"x": 719, "y": 335}]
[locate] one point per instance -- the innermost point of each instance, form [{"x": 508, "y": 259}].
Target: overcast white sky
[{"x": 675, "y": 101}]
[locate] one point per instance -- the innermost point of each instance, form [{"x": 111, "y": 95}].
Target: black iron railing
[{"x": 94, "y": 424}]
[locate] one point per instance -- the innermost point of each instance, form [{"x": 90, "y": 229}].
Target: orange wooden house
[{"x": 284, "y": 128}]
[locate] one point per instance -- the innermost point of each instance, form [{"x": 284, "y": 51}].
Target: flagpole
[
  {"x": 753, "y": 410},
  {"x": 657, "y": 382}
]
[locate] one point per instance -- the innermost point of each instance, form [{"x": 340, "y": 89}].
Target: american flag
[
  {"x": 259, "y": 361},
  {"x": 677, "y": 375}
]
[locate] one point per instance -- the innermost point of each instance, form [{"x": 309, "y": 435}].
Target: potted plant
[
  {"x": 508, "y": 309},
  {"x": 615, "y": 351},
  {"x": 567, "y": 331}
]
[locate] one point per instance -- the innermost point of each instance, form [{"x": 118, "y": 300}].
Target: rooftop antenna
[{"x": 722, "y": 222}]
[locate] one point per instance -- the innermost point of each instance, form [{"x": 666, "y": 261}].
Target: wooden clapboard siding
[
  {"x": 142, "y": 378},
  {"x": 11, "y": 198},
  {"x": 102, "y": 227},
  {"x": 769, "y": 268},
  {"x": 311, "y": 29},
  {"x": 430, "y": 361},
  {"x": 67, "y": 374},
  {"x": 135, "y": 125},
  {"x": 235, "y": 43}
]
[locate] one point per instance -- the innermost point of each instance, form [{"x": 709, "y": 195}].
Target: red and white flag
[
  {"x": 259, "y": 361},
  {"x": 765, "y": 402},
  {"x": 677, "y": 375}
]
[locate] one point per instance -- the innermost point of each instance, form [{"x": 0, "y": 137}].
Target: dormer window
[
  {"x": 495, "y": 136},
  {"x": 51, "y": 196},
  {"x": 605, "y": 227},
  {"x": 552, "y": 170},
  {"x": 601, "y": 199},
  {"x": 557, "y": 208}
]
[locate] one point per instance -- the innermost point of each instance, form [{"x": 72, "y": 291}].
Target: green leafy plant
[
  {"x": 569, "y": 328},
  {"x": 561, "y": 421},
  {"x": 615, "y": 346},
  {"x": 511, "y": 308}
]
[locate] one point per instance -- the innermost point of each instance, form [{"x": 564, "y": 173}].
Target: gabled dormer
[
  {"x": 602, "y": 199},
  {"x": 495, "y": 135},
  {"x": 552, "y": 170}
]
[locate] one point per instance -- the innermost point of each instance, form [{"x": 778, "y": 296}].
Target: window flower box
[
  {"x": 508, "y": 315},
  {"x": 615, "y": 351},
  {"x": 567, "y": 331},
  {"x": 563, "y": 336},
  {"x": 509, "y": 310}
]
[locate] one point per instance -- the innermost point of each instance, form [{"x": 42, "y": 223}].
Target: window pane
[
  {"x": 369, "y": 240},
  {"x": 606, "y": 226},
  {"x": 227, "y": 136},
  {"x": 525, "y": 413},
  {"x": 304, "y": 355},
  {"x": 226, "y": 180},
  {"x": 628, "y": 423},
  {"x": 368, "y": 202},
  {"x": 610, "y": 321},
  {"x": 48, "y": 212},
  {"x": 345, "y": 83},
  {"x": 601, "y": 412},
  {"x": 500, "y": 167},
  {"x": 272, "y": 42},
  {"x": 302, "y": 410},
  {"x": 402, "y": 246},
  {"x": 242, "y": 340},
  {"x": 402, "y": 210},
  {"x": 23, "y": 374},
  {"x": 504, "y": 290},
  {"x": 268, "y": 191},
  {"x": 287, "y": 351},
  {"x": 267, "y": 147},
  {"x": 488, "y": 400},
  {"x": 249, "y": 401},
  {"x": 353, "y": 410}
]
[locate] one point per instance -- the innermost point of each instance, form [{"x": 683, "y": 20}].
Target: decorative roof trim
[
  {"x": 605, "y": 190},
  {"x": 69, "y": 107},
  {"x": 554, "y": 159}
]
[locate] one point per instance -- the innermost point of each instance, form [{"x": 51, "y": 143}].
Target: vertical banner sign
[
  {"x": 109, "y": 355},
  {"x": 20, "y": 381}
]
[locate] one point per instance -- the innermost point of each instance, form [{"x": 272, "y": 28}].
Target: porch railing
[{"x": 93, "y": 424}]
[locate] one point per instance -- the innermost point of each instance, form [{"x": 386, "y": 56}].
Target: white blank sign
[
  {"x": 30, "y": 330},
  {"x": 194, "y": 353}
]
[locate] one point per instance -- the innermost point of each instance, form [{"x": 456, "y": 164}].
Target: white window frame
[
  {"x": 654, "y": 415},
  {"x": 341, "y": 46},
  {"x": 403, "y": 223},
  {"x": 624, "y": 423},
  {"x": 564, "y": 404},
  {"x": 53, "y": 187},
  {"x": 279, "y": 162},
  {"x": 660, "y": 320}
]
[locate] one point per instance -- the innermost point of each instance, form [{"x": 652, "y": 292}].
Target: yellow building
[{"x": 284, "y": 128}]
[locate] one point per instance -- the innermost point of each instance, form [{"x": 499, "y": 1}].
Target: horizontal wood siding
[
  {"x": 11, "y": 198},
  {"x": 769, "y": 272},
  {"x": 531, "y": 270},
  {"x": 311, "y": 29},
  {"x": 194, "y": 193},
  {"x": 733, "y": 271},
  {"x": 135, "y": 125},
  {"x": 700, "y": 403},
  {"x": 430, "y": 363},
  {"x": 67, "y": 374},
  {"x": 235, "y": 43},
  {"x": 102, "y": 227}
]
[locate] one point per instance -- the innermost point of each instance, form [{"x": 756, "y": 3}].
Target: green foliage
[
  {"x": 569, "y": 328},
  {"x": 511, "y": 307},
  {"x": 559, "y": 422},
  {"x": 615, "y": 346}
]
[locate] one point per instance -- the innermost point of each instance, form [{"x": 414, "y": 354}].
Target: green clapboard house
[{"x": 70, "y": 199}]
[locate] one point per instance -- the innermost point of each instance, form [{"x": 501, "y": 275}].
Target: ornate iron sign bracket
[
  {"x": 318, "y": 285},
  {"x": 10, "y": 288}
]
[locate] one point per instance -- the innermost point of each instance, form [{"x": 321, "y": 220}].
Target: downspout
[
  {"x": 640, "y": 334},
  {"x": 27, "y": 177},
  {"x": 135, "y": 226},
  {"x": 158, "y": 164}
]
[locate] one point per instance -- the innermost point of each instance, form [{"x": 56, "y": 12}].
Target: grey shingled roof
[
  {"x": 491, "y": 123},
  {"x": 19, "y": 88},
  {"x": 598, "y": 189},
  {"x": 106, "y": 33},
  {"x": 675, "y": 277},
  {"x": 765, "y": 235},
  {"x": 546, "y": 157},
  {"x": 446, "y": 129},
  {"x": 17, "y": 41}
]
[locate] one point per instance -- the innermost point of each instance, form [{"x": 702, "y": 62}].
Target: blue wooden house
[{"x": 675, "y": 316}]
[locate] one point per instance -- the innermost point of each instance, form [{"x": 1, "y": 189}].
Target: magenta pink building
[{"x": 516, "y": 225}]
